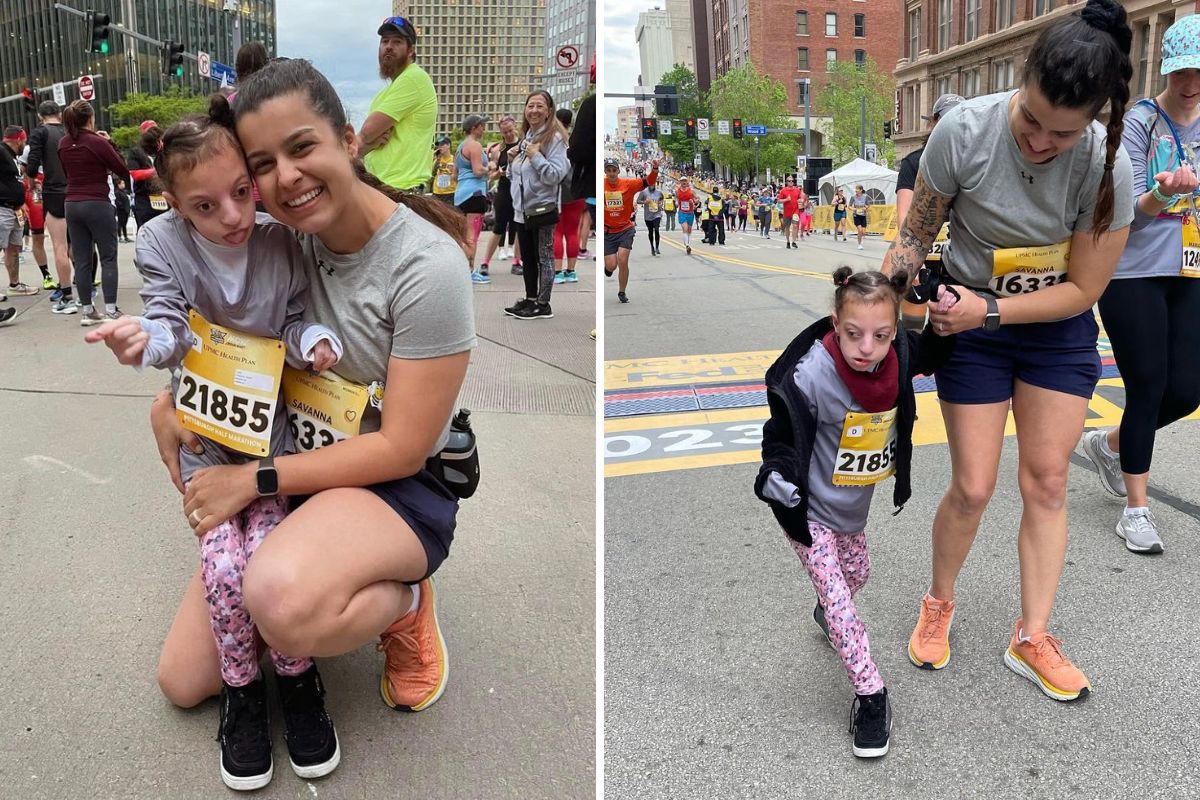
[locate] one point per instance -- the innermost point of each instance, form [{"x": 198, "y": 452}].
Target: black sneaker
[
  {"x": 517, "y": 269},
  {"x": 520, "y": 305},
  {"x": 689, "y": 249},
  {"x": 245, "y": 736},
  {"x": 7, "y": 313},
  {"x": 871, "y": 724},
  {"x": 621, "y": 296},
  {"x": 534, "y": 311},
  {"x": 608, "y": 273},
  {"x": 483, "y": 269},
  {"x": 312, "y": 742},
  {"x": 819, "y": 616}
]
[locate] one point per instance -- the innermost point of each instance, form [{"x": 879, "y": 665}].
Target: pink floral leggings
[
  {"x": 839, "y": 566},
  {"x": 224, "y": 552}
]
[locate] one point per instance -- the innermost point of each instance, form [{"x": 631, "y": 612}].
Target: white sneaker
[
  {"x": 93, "y": 317},
  {"x": 1107, "y": 466},
  {"x": 1140, "y": 533},
  {"x": 65, "y": 307},
  {"x": 860, "y": 247}
]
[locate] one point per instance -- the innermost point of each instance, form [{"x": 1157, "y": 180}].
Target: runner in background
[
  {"x": 687, "y": 210},
  {"x": 652, "y": 199},
  {"x": 859, "y": 203},
  {"x": 839, "y": 215},
  {"x": 619, "y": 230},
  {"x": 444, "y": 172}
]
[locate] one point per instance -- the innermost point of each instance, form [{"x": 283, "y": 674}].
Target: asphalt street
[
  {"x": 96, "y": 554},
  {"x": 718, "y": 683}
]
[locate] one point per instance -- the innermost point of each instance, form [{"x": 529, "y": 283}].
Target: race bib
[
  {"x": 613, "y": 200},
  {"x": 652, "y": 206},
  {"x": 229, "y": 385},
  {"x": 322, "y": 409},
  {"x": 1191, "y": 248},
  {"x": 443, "y": 181},
  {"x": 867, "y": 452},
  {"x": 685, "y": 206},
  {"x": 669, "y": 206},
  {"x": 1020, "y": 270},
  {"x": 935, "y": 250},
  {"x": 158, "y": 202}
]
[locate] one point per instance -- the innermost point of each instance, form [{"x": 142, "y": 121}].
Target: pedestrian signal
[
  {"x": 691, "y": 127},
  {"x": 28, "y": 99},
  {"x": 172, "y": 59},
  {"x": 665, "y": 106},
  {"x": 887, "y": 129},
  {"x": 737, "y": 129}
]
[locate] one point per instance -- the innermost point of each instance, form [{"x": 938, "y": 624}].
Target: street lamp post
[{"x": 756, "y": 158}]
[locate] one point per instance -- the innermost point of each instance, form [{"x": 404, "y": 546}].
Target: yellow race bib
[
  {"x": 158, "y": 202},
  {"x": 867, "y": 452},
  {"x": 1191, "y": 248},
  {"x": 613, "y": 200},
  {"x": 652, "y": 206},
  {"x": 322, "y": 409},
  {"x": 229, "y": 385},
  {"x": 1020, "y": 270}
]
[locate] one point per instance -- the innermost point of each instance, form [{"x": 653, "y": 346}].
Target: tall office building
[
  {"x": 43, "y": 46},
  {"x": 570, "y": 28},
  {"x": 653, "y": 35},
  {"x": 682, "y": 45},
  {"x": 483, "y": 58}
]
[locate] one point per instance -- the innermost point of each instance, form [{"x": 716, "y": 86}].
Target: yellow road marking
[
  {"x": 824, "y": 276},
  {"x": 633, "y": 373},
  {"x": 684, "y": 419}
]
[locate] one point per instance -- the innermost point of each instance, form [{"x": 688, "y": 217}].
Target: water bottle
[{"x": 460, "y": 459}]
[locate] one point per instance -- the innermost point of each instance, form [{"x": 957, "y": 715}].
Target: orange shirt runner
[{"x": 618, "y": 201}]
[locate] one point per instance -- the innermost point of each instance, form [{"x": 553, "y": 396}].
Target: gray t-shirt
[
  {"x": 406, "y": 294},
  {"x": 1001, "y": 200},
  {"x": 1155, "y": 246},
  {"x": 859, "y": 203},
  {"x": 653, "y": 199}
]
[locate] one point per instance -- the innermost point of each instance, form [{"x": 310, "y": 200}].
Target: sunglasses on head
[{"x": 399, "y": 22}]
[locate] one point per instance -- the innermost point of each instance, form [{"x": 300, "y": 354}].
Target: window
[
  {"x": 802, "y": 59},
  {"x": 1042, "y": 7},
  {"x": 1005, "y": 12},
  {"x": 860, "y": 25},
  {"x": 801, "y": 93},
  {"x": 830, "y": 56},
  {"x": 943, "y": 85},
  {"x": 1002, "y": 75},
  {"x": 802, "y": 23},
  {"x": 914, "y": 34},
  {"x": 945, "y": 20},
  {"x": 860, "y": 58},
  {"x": 971, "y": 19},
  {"x": 970, "y": 83},
  {"x": 1143, "y": 40},
  {"x": 830, "y": 24}
]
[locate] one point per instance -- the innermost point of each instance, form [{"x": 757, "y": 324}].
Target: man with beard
[{"x": 395, "y": 138}]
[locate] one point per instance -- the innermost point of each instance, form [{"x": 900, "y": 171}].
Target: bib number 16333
[{"x": 322, "y": 409}]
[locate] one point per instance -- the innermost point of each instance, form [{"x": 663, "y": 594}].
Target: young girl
[
  {"x": 216, "y": 276},
  {"x": 842, "y": 412}
]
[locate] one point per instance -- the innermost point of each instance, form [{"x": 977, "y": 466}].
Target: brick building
[
  {"x": 975, "y": 47},
  {"x": 702, "y": 43}
]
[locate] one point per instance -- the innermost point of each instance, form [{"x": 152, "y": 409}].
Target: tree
[
  {"x": 757, "y": 99},
  {"x": 691, "y": 104},
  {"x": 841, "y": 99},
  {"x": 166, "y": 109}
]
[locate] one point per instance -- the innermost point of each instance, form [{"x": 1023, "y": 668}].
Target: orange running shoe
[
  {"x": 929, "y": 645},
  {"x": 416, "y": 666},
  {"x": 1041, "y": 660}
]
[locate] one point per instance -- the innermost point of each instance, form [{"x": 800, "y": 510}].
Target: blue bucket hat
[{"x": 1181, "y": 45}]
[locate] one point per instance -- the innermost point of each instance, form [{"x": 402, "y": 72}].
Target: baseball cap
[
  {"x": 399, "y": 25},
  {"x": 1181, "y": 45},
  {"x": 472, "y": 120},
  {"x": 611, "y": 162},
  {"x": 147, "y": 125},
  {"x": 441, "y": 140},
  {"x": 944, "y": 104}
]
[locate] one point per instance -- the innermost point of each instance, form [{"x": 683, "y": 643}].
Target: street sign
[
  {"x": 204, "y": 61},
  {"x": 723, "y": 126},
  {"x": 702, "y": 128},
  {"x": 567, "y": 56},
  {"x": 566, "y": 78},
  {"x": 664, "y": 127},
  {"x": 756, "y": 130},
  {"x": 60, "y": 94},
  {"x": 87, "y": 89},
  {"x": 802, "y": 166},
  {"x": 222, "y": 73}
]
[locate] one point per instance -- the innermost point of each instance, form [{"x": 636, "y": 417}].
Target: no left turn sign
[{"x": 567, "y": 56}]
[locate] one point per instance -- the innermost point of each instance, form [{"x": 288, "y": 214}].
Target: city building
[
  {"x": 629, "y": 126},
  {"x": 702, "y": 43},
  {"x": 483, "y": 58},
  {"x": 682, "y": 44},
  {"x": 793, "y": 42},
  {"x": 570, "y": 28},
  {"x": 44, "y": 46},
  {"x": 655, "y": 54},
  {"x": 971, "y": 48}
]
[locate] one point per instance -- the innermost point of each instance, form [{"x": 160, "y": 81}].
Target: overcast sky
[
  {"x": 620, "y": 67},
  {"x": 339, "y": 38}
]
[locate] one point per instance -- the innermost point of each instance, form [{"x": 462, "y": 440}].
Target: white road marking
[{"x": 46, "y": 464}]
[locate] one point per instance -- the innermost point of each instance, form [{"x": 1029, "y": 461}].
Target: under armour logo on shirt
[
  {"x": 321, "y": 265},
  {"x": 1027, "y": 177}
]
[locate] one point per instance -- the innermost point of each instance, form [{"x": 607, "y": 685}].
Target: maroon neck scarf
[{"x": 875, "y": 391}]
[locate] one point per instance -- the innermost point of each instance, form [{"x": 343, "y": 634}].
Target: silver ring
[{"x": 196, "y": 516}]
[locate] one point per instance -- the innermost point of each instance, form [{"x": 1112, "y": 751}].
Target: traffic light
[
  {"x": 649, "y": 128},
  {"x": 737, "y": 129},
  {"x": 98, "y": 24},
  {"x": 887, "y": 129},
  {"x": 172, "y": 58},
  {"x": 666, "y": 106},
  {"x": 691, "y": 127},
  {"x": 28, "y": 99}
]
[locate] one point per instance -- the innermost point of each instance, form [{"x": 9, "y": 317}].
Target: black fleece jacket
[{"x": 789, "y": 433}]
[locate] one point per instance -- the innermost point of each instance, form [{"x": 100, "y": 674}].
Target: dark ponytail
[
  {"x": 76, "y": 115},
  {"x": 868, "y": 287},
  {"x": 1082, "y": 62}
]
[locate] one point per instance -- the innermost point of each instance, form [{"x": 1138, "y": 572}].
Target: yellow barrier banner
[{"x": 823, "y": 218}]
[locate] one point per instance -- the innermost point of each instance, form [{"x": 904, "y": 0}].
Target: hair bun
[{"x": 1110, "y": 17}]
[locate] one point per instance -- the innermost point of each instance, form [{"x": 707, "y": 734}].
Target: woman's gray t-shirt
[
  {"x": 1001, "y": 200},
  {"x": 406, "y": 294}
]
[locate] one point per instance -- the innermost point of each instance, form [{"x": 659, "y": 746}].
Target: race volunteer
[{"x": 619, "y": 194}]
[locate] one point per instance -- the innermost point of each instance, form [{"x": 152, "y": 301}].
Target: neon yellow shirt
[{"x": 411, "y": 101}]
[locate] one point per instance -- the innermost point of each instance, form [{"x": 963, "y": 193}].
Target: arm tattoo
[{"x": 926, "y": 214}]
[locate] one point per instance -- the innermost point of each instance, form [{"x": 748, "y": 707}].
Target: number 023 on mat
[{"x": 229, "y": 386}]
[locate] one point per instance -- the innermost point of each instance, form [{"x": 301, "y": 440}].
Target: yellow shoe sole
[
  {"x": 442, "y": 680},
  {"x": 1025, "y": 670}
]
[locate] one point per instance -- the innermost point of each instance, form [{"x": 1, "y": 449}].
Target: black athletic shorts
[
  {"x": 476, "y": 204},
  {"x": 426, "y": 505},
  {"x": 55, "y": 204},
  {"x": 860, "y": 220}
]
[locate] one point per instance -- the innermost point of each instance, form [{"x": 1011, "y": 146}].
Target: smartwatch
[
  {"x": 991, "y": 321},
  {"x": 267, "y": 478}
]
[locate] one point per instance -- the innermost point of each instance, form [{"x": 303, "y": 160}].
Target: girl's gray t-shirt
[
  {"x": 406, "y": 294},
  {"x": 1000, "y": 200}
]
